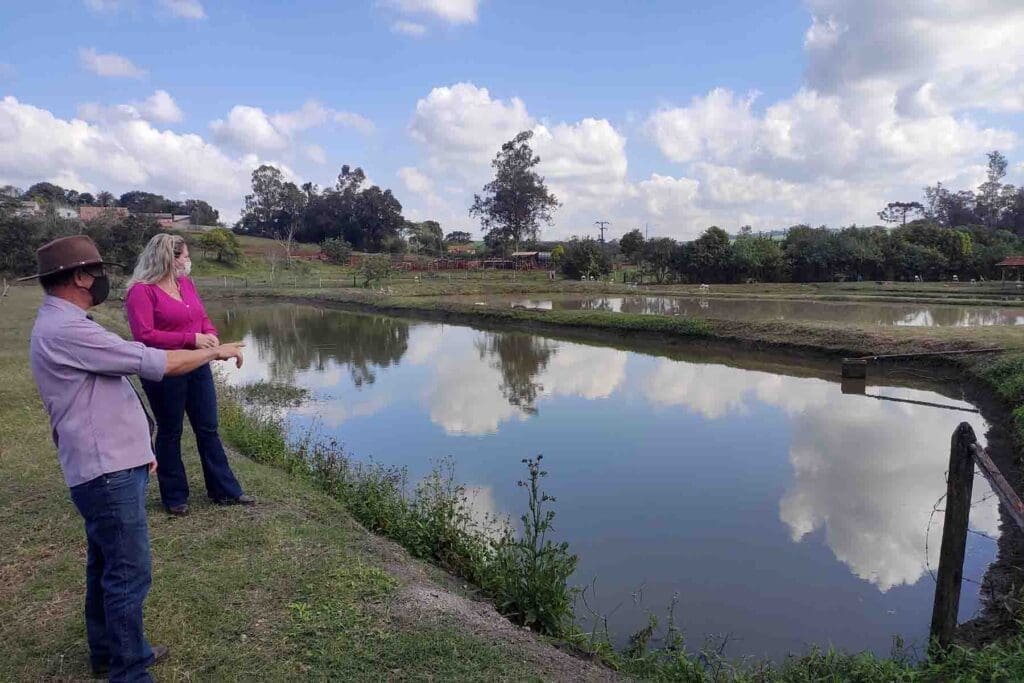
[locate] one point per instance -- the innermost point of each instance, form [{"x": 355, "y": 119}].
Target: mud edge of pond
[{"x": 821, "y": 346}]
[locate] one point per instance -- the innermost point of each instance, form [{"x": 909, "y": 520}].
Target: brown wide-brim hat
[{"x": 66, "y": 253}]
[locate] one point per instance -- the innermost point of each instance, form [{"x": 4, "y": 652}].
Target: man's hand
[
  {"x": 229, "y": 351},
  {"x": 152, "y": 468},
  {"x": 206, "y": 341}
]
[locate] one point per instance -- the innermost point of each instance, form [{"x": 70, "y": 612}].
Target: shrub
[
  {"x": 585, "y": 258},
  {"x": 374, "y": 268},
  {"x": 222, "y": 243},
  {"x": 337, "y": 250}
]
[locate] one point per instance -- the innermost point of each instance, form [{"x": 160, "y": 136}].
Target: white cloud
[
  {"x": 416, "y": 181},
  {"x": 185, "y": 9},
  {"x": 252, "y": 129},
  {"x": 409, "y": 28},
  {"x": 249, "y": 128},
  {"x": 109, "y": 65},
  {"x": 462, "y": 126},
  {"x": 160, "y": 107},
  {"x": 450, "y": 11},
  {"x": 857, "y": 473},
  {"x": 964, "y": 54},
  {"x": 316, "y": 154},
  {"x": 103, "y": 5},
  {"x": 716, "y": 126},
  {"x": 889, "y": 105},
  {"x": 352, "y": 120},
  {"x": 310, "y": 115},
  {"x": 117, "y": 153}
]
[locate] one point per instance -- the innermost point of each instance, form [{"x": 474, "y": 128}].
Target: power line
[{"x": 602, "y": 226}]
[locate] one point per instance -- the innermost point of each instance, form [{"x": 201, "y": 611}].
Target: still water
[
  {"x": 859, "y": 313},
  {"x": 779, "y": 510}
]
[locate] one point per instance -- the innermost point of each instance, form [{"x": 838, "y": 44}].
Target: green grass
[{"x": 290, "y": 589}]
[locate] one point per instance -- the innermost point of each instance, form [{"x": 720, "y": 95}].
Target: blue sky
[{"x": 675, "y": 113}]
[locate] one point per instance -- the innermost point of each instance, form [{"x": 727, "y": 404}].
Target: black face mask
[{"x": 99, "y": 290}]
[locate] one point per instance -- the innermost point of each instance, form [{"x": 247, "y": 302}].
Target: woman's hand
[
  {"x": 206, "y": 341},
  {"x": 229, "y": 351}
]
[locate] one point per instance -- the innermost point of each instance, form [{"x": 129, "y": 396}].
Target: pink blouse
[{"x": 159, "y": 320}]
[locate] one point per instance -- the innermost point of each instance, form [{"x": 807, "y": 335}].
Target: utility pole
[{"x": 602, "y": 226}]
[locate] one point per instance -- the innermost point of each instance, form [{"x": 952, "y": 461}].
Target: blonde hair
[{"x": 157, "y": 260}]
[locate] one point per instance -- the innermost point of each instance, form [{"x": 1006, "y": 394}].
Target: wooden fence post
[{"x": 954, "y": 536}]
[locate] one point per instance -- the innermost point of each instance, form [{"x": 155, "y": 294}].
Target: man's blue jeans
[
  {"x": 117, "y": 572},
  {"x": 171, "y": 399}
]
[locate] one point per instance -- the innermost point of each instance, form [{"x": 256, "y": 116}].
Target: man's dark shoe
[
  {"x": 241, "y": 500},
  {"x": 178, "y": 510},
  {"x": 159, "y": 653}
]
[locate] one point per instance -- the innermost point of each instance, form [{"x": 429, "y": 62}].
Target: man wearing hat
[{"x": 102, "y": 434}]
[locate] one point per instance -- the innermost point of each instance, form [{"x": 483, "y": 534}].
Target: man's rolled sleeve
[
  {"x": 87, "y": 346},
  {"x": 154, "y": 364}
]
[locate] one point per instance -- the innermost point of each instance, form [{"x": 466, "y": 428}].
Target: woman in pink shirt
[{"x": 164, "y": 311}]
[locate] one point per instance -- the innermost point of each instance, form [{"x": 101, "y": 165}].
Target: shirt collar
[{"x": 63, "y": 305}]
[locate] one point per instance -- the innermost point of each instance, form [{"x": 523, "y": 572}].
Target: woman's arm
[
  {"x": 138, "y": 305},
  {"x": 207, "y": 326}
]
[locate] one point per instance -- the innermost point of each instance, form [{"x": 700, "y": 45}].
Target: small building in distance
[
  {"x": 1012, "y": 264},
  {"x": 89, "y": 213},
  {"x": 532, "y": 260},
  {"x": 170, "y": 221},
  {"x": 26, "y": 209}
]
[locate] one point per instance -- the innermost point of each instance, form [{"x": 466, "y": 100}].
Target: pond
[
  {"x": 779, "y": 510},
  {"x": 854, "y": 312}
]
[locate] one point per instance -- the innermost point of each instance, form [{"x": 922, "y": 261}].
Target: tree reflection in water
[
  {"x": 519, "y": 358},
  {"x": 293, "y": 339}
]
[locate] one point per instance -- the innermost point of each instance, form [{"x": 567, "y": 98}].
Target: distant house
[
  {"x": 88, "y": 213},
  {"x": 1012, "y": 264},
  {"x": 461, "y": 248},
  {"x": 26, "y": 209},
  {"x": 169, "y": 220},
  {"x": 531, "y": 260},
  {"x": 65, "y": 211}
]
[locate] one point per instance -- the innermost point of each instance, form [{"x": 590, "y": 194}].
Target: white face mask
[{"x": 187, "y": 268}]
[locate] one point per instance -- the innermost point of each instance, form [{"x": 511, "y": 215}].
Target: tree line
[
  {"x": 351, "y": 214},
  {"x": 962, "y": 233},
  {"x": 919, "y": 249}
]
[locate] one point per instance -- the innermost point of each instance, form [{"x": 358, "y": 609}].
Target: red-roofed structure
[
  {"x": 1014, "y": 265},
  {"x": 88, "y": 213}
]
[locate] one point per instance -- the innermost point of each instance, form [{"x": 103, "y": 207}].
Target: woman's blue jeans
[
  {"x": 117, "y": 570},
  {"x": 195, "y": 395}
]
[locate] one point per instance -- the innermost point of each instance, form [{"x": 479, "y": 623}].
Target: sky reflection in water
[
  {"x": 782, "y": 511},
  {"x": 858, "y": 313}
]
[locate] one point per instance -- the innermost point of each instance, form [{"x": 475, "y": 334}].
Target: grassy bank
[{"x": 291, "y": 589}]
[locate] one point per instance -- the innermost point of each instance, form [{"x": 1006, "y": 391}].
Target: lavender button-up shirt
[{"x": 99, "y": 424}]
